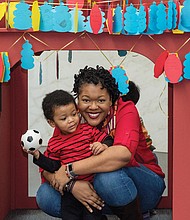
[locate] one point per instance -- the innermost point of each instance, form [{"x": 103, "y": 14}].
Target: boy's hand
[
  {"x": 97, "y": 147},
  {"x": 35, "y": 153}
]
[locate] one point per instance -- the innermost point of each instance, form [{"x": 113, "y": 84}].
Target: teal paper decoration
[
  {"x": 40, "y": 74},
  {"x": 172, "y": 15},
  {"x": 22, "y": 19},
  {"x": 81, "y": 18},
  {"x": 185, "y": 12},
  {"x": 27, "y": 60},
  {"x": 142, "y": 19},
  {"x": 121, "y": 79},
  {"x": 186, "y": 65},
  {"x": 61, "y": 21},
  {"x": 7, "y": 67},
  {"x": 46, "y": 17},
  {"x": 131, "y": 20},
  {"x": 161, "y": 17},
  {"x": 117, "y": 20},
  {"x": 152, "y": 26}
]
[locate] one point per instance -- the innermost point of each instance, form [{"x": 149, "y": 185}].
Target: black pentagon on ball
[
  {"x": 40, "y": 141},
  {"x": 35, "y": 131},
  {"x": 29, "y": 138},
  {"x": 22, "y": 143}
]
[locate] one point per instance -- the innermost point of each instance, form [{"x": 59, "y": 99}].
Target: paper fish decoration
[
  {"x": 159, "y": 64},
  {"x": 22, "y": 19},
  {"x": 121, "y": 79},
  {"x": 27, "y": 60},
  {"x": 173, "y": 68}
]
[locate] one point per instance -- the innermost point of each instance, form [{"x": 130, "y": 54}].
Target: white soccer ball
[{"x": 31, "y": 140}]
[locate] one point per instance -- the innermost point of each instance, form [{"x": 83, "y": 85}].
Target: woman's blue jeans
[{"x": 117, "y": 188}]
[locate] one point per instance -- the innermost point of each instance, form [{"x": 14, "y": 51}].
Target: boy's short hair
[{"x": 55, "y": 99}]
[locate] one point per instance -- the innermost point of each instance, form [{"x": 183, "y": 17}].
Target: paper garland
[
  {"x": 154, "y": 19},
  {"x": 4, "y": 67}
]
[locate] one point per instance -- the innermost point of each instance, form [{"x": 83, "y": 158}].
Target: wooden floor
[{"x": 162, "y": 214}]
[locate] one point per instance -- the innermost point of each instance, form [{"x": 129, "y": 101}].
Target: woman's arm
[{"x": 111, "y": 159}]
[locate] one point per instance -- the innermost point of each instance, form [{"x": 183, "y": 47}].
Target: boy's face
[{"x": 65, "y": 118}]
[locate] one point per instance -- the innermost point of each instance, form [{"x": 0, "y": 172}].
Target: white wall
[{"x": 152, "y": 105}]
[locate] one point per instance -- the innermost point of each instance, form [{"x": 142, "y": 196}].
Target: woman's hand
[
  {"x": 60, "y": 179},
  {"x": 84, "y": 192}
]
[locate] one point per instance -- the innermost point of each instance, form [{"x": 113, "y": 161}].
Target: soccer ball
[{"x": 31, "y": 140}]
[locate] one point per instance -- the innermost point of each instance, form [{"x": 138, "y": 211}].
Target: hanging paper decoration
[
  {"x": 131, "y": 20},
  {"x": 3, "y": 7},
  {"x": 186, "y": 65},
  {"x": 40, "y": 74},
  {"x": 6, "y": 67},
  {"x": 95, "y": 22},
  {"x": 152, "y": 25},
  {"x": 2, "y": 69},
  {"x": 121, "y": 79},
  {"x": 46, "y": 17},
  {"x": 117, "y": 20},
  {"x": 27, "y": 60},
  {"x": 173, "y": 68},
  {"x": 77, "y": 23},
  {"x": 109, "y": 20},
  {"x": 142, "y": 19},
  {"x": 172, "y": 15},
  {"x": 35, "y": 16},
  {"x": 57, "y": 65},
  {"x": 159, "y": 64},
  {"x": 70, "y": 56},
  {"x": 185, "y": 12},
  {"x": 22, "y": 20},
  {"x": 62, "y": 19},
  {"x": 72, "y": 4},
  {"x": 161, "y": 17},
  {"x": 10, "y": 15}
]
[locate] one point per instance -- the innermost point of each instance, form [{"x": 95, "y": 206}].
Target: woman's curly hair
[{"x": 90, "y": 75}]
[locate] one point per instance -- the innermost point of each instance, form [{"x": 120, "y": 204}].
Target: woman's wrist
[{"x": 69, "y": 171}]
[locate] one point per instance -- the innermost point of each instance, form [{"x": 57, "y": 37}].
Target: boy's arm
[{"x": 47, "y": 163}]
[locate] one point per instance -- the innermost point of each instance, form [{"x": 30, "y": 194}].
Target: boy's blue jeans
[{"x": 117, "y": 188}]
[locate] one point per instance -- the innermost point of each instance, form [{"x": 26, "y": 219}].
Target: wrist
[{"x": 69, "y": 171}]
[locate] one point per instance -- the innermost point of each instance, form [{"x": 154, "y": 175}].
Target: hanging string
[
  {"x": 38, "y": 40},
  {"x": 130, "y": 50},
  {"x": 156, "y": 42},
  {"x": 99, "y": 49},
  {"x": 17, "y": 41},
  {"x": 160, "y": 105},
  {"x": 183, "y": 45}
]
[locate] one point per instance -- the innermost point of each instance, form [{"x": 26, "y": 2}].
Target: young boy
[{"x": 71, "y": 141}]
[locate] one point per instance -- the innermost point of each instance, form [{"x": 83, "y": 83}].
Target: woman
[{"x": 140, "y": 179}]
